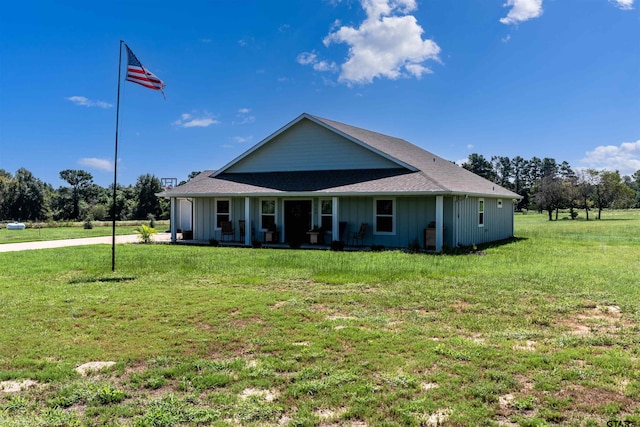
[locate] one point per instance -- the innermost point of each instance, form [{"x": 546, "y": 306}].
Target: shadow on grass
[
  {"x": 77, "y": 280},
  {"x": 481, "y": 248}
]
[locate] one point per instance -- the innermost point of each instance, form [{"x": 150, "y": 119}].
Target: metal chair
[
  {"x": 358, "y": 236},
  {"x": 227, "y": 230}
]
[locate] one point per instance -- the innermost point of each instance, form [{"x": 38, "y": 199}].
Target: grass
[
  {"x": 76, "y": 230},
  {"x": 542, "y": 330}
]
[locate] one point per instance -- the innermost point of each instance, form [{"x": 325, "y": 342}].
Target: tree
[
  {"x": 585, "y": 185},
  {"x": 550, "y": 194},
  {"x": 27, "y": 197},
  {"x": 80, "y": 182},
  {"x": 192, "y": 175},
  {"x": 503, "y": 171},
  {"x": 633, "y": 183},
  {"x": 147, "y": 203},
  {"x": 610, "y": 191},
  {"x": 477, "y": 164}
]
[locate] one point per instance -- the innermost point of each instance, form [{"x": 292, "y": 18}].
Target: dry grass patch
[{"x": 13, "y": 386}]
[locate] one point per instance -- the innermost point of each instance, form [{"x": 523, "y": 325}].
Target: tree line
[
  {"x": 546, "y": 185},
  {"x": 24, "y": 197}
]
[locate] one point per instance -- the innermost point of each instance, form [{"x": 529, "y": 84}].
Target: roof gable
[
  {"x": 310, "y": 144},
  {"x": 342, "y": 159}
]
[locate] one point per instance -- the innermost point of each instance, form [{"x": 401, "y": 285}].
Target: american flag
[{"x": 137, "y": 73}]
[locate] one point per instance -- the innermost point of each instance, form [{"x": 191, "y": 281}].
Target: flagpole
[{"x": 115, "y": 167}]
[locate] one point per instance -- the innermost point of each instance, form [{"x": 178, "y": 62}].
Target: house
[{"x": 318, "y": 173}]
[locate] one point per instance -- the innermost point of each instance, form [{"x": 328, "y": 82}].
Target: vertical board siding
[
  {"x": 498, "y": 222},
  {"x": 309, "y": 146},
  {"x": 412, "y": 215}
]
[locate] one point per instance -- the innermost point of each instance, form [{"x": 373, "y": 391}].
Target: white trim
[
  {"x": 320, "y": 214},
  {"x": 173, "y": 218},
  {"x": 393, "y": 216},
  {"x": 215, "y": 211},
  {"x": 335, "y": 234},
  {"x": 247, "y": 222},
  {"x": 275, "y": 212},
  {"x": 439, "y": 223},
  {"x": 481, "y": 212}
]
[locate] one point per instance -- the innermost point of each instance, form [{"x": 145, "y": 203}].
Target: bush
[
  {"x": 414, "y": 247},
  {"x": 88, "y": 225},
  {"x": 145, "y": 233},
  {"x": 337, "y": 245}
]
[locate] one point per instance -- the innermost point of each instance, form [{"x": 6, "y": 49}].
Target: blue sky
[{"x": 545, "y": 78}]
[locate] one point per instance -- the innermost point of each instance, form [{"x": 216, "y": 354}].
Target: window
[
  {"x": 384, "y": 216},
  {"x": 481, "y": 213},
  {"x": 499, "y": 203},
  {"x": 326, "y": 215},
  {"x": 223, "y": 211},
  {"x": 267, "y": 213}
]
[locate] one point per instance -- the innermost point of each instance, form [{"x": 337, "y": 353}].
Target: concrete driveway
[{"x": 130, "y": 238}]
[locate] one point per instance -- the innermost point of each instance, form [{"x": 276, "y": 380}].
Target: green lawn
[
  {"x": 72, "y": 231},
  {"x": 543, "y": 330}
]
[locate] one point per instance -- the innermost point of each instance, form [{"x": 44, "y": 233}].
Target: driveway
[{"x": 130, "y": 238}]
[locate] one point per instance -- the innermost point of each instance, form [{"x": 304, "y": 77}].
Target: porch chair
[
  {"x": 358, "y": 236},
  {"x": 227, "y": 230},
  {"x": 241, "y": 226},
  {"x": 342, "y": 227}
]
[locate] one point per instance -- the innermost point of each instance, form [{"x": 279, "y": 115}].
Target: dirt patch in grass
[
  {"x": 325, "y": 413},
  {"x": 428, "y": 386},
  {"x": 87, "y": 368},
  {"x": 266, "y": 395},
  {"x": 585, "y": 399},
  {"x": 460, "y": 306},
  {"x": 529, "y": 345},
  {"x": 605, "y": 319},
  {"x": 437, "y": 418},
  {"x": 13, "y": 386}
]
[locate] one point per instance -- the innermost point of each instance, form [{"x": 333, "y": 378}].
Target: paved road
[{"x": 130, "y": 238}]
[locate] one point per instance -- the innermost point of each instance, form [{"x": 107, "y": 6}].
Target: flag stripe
[{"x": 137, "y": 73}]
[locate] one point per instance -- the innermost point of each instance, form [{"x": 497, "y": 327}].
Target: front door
[{"x": 297, "y": 221}]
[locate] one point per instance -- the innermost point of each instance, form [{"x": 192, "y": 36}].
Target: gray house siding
[
  {"x": 308, "y": 146},
  {"x": 412, "y": 214},
  {"x": 498, "y": 222}
]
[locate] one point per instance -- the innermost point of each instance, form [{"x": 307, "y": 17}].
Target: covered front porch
[{"x": 312, "y": 222}]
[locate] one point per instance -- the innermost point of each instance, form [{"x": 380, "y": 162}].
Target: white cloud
[
  {"x": 242, "y": 139},
  {"x": 188, "y": 120},
  {"x": 522, "y": 10},
  {"x": 623, "y": 4},
  {"x": 311, "y": 58},
  {"x": 624, "y": 158},
  {"x": 387, "y": 44},
  {"x": 243, "y": 117},
  {"x": 95, "y": 163},
  {"x": 86, "y": 102}
]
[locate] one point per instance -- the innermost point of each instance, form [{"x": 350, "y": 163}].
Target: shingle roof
[{"x": 432, "y": 174}]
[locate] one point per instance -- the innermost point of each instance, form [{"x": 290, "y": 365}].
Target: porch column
[
  {"x": 439, "y": 223},
  {"x": 335, "y": 224},
  {"x": 173, "y": 219},
  {"x": 247, "y": 221}
]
